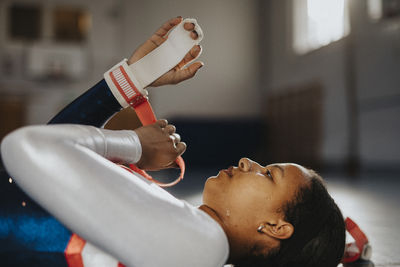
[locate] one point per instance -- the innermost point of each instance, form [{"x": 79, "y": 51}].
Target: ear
[{"x": 279, "y": 230}]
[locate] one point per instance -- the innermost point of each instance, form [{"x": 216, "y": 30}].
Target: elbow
[
  {"x": 17, "y": 145},
  {"x": 12, "y": 142}
]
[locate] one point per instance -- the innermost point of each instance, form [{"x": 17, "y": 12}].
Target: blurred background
[{"x": 315, "y": 82}]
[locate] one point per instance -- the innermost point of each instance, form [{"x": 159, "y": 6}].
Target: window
[
  {"x": 375, "y": 9},
  {"x": 24, "y": 22},
  {"x": 70, "y": 24},
  {"x": 383, "y": 9},
  {"x": 318, "y": 23}
]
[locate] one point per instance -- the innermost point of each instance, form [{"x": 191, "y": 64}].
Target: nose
[{"x": 247, "y": 165}]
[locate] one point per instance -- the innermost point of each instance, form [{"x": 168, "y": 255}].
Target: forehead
[{"x": 292, "y": 169}]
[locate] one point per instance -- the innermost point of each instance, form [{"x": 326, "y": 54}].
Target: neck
[{"x": 213, "y": 214}]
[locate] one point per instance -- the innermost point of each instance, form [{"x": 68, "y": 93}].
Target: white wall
[
  {"x": 378, "y": 77},
  {"x": 323, "y": 65},
  {"x": 377, "y": 62}
]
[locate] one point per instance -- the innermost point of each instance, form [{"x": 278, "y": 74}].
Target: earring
[{"x": 260, "y": 228}]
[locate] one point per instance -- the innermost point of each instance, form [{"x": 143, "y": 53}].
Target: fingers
[
  {"x": 167, "y": 26},
  {"x": 190, "y": 27},
  {"x": 194, "y": 35},
  {"x": 188, "y": 72},
  {"x": 173, "y": 165},
  {"x": 155, "y": 40},
  {"x": 158, "y": 37},
  {"x": 180, "y": 148},
  {"x": 162, "y": 123},
  {"x": 190, "y": 56},
  {"x": 170, "y": 129},
  {"x": 176, "y": 138}
]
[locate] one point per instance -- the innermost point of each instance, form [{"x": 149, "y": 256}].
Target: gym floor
[{"x": 372, "y": 200}]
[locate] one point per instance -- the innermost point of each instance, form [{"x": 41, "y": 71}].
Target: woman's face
[{"x": 251, "y": 195}]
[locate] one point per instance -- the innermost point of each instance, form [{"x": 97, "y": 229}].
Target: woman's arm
[
  {"x": 97, "y": 105},
  {"x": 65, "y": 169},
  {"x": 94, "y": 107}
]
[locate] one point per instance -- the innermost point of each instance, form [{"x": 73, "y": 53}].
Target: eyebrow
[{"x": 280, "y": 168}]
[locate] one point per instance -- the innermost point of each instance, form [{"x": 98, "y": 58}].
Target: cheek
[
  {"x": 240, "y": 200},
  {"x": 229, "y": 198},
  {"x": 247, "y": 200}
]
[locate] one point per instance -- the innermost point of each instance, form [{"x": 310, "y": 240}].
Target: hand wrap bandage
[{"x": 128, "y": 83}]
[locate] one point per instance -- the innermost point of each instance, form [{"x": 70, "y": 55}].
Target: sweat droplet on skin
[{"x": 228, "y": 213}]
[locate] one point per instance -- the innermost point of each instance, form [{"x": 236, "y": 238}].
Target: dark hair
[{"x": 319, "y": 231}]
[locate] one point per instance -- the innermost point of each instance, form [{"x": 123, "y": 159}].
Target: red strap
[
  {"x": 73, "y": 251},
  {"x": 146, "y": 116},
  {"x": 360, "y": 241},
  {"x": 145, "y": 113},
  {"x": 355, "y": 231}
]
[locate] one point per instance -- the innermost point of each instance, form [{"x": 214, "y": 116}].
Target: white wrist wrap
[
  {"x": 124, "y": 85},
  {"x": 127, "y": 83}
]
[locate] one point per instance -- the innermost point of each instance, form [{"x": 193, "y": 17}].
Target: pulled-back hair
[{"x": 319, "y": 231}]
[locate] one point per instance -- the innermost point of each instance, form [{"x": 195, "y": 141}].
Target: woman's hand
[
  {"x": 160, "y": 146},
  {"x": 178, "y": 73}
]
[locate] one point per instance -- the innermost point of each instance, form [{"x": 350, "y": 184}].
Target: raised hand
[{"x": 180, "y": 72}]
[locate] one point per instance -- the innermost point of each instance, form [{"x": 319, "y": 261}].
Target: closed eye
[{"x": 269, "y": 174}]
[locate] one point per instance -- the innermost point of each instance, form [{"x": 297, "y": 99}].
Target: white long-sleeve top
[{"x": 67, "y": 170}]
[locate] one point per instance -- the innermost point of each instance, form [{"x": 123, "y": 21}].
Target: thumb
[
  {"x": 173, "y": 165},
  {"x": 188, "y": 72}
]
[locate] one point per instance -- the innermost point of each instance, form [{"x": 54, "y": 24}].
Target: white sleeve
[{"x": 65, "y": 169}]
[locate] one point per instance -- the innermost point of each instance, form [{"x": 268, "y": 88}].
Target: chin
[
  {"x": 209, "y": 192},
  {"x": 212, "y": 195}
]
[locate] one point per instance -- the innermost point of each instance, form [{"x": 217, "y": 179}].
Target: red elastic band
[
  {"x": 146, "y": 116},
  {"x": 73, "y": 251},
  {"x": 360, "y": 241}
]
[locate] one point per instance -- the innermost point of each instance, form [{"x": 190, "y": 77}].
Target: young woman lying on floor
[{"x": 252, "y": 214}]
